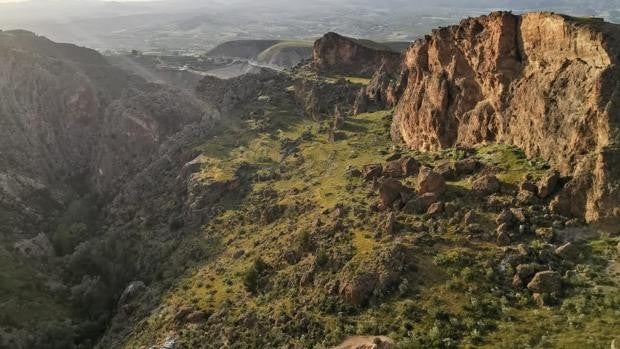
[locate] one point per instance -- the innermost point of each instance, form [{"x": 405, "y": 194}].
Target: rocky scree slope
[{"x": 547, "y": 83}]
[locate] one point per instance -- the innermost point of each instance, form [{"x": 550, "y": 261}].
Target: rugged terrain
[
  {"x": 74, "y": 130},
  {"x": 276, "y": 209},
  {"x": 544, "y": 82}
]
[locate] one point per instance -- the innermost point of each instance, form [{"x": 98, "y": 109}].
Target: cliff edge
[
  {"x": 344, "y": 55},
  {"x": 544, "y": 82}
]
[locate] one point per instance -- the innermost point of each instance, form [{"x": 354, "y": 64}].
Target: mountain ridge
[{"x": 276, "y": 210}]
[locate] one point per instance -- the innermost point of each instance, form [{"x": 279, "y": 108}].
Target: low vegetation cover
[{"x": 309, "y": 252}]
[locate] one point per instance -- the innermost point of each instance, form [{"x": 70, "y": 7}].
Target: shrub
[
  {"x": 304, "y": 240},
  {"x": 253, "y": 280},
  {"x": 66, "y": 238}
]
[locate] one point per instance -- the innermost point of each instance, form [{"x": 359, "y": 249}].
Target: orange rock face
[{"x": 547, "y": 83}]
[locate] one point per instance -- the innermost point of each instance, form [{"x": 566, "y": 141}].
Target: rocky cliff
[
  {"x": 547, "y": 83},
  {"x": 344, "y": 55},
  {"x": 67, "y": 114},
  {"x": 81, "y": 142}
]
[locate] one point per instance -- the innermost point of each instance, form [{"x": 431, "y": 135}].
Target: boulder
[
  {"x": 503, "y": 228},
  {"x": 548, "y": 184},
  {"x": 503, "y": 239},
  {"x": 428, "y": 199},
  {"x": 466, "y": 166},
  {"x": 359, "y": 288},
  {"x": 446, "y": 170},
  {"x": 390, "y": 190},
  {"x": 435, "y": 208},
  {"x": 518, "y": 214},
  {"x": 182, "y": 313},
  {"x": 382, "y": 270},
  {"x": 430, "y": 181},
  {"x": 370, "y": 172},
  {"x": 568, "y": 251},
  {"x": 409, "y": 166},
  {"x": 196, "y": 317},
  {"x": 351, "y": 171},
  {"x": 527, "y": 271},
  {"x": 131, "y": 291},
  {"x": 470, "y": 217},
  {"x": 545, "y": 282},
  {"x": 542, "y": 299},
  {"x": 366, "y": 342},
  {"x": 393, "y": 169},
  {"x": 517, "y": 282},
  {"x": 486, "y": 185},
  {"x": 526, "y": 197},
  {"x": 169, "y": 343}
]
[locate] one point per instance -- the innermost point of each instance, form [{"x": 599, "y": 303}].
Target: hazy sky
[{"x": 180, "y": 24}]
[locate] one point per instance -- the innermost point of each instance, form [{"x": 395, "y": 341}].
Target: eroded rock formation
[
  {"x": 344, "y": 55},
  {"x": 547, "y": 83}
]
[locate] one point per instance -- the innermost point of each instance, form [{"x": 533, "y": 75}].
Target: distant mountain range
[{"x": 196, "y": 26}]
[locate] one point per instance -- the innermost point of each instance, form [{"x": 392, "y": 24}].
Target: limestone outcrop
[{"x": 547, "y": 83}]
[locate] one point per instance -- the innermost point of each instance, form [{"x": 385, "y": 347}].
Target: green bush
[
  {"x": 66, "y": 238},
  {"x": 254, "y": 278}
]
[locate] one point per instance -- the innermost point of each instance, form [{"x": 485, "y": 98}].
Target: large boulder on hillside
[
  {"x": 370, "y": 172},
  {"x": 403, "y": 167},
  {"x": 391, "y": 190},
  {"x": 545, "y": 282},
  {"x": 393, "y": 169},
  {"x": 568, "y": 251},
  {"x": 430, "y": 181},
  {"x": 547, "y": 185},
  {"x": 486, "y": 185},
  {"x": 131, "y": 291}
]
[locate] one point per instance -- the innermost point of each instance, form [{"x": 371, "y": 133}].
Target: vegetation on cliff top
[{"x": 457, "y": 295}]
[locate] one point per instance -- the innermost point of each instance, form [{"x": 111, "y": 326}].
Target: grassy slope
[
  {"x": 455, "y": 298},
  {"x": 274, "y": 50}
]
